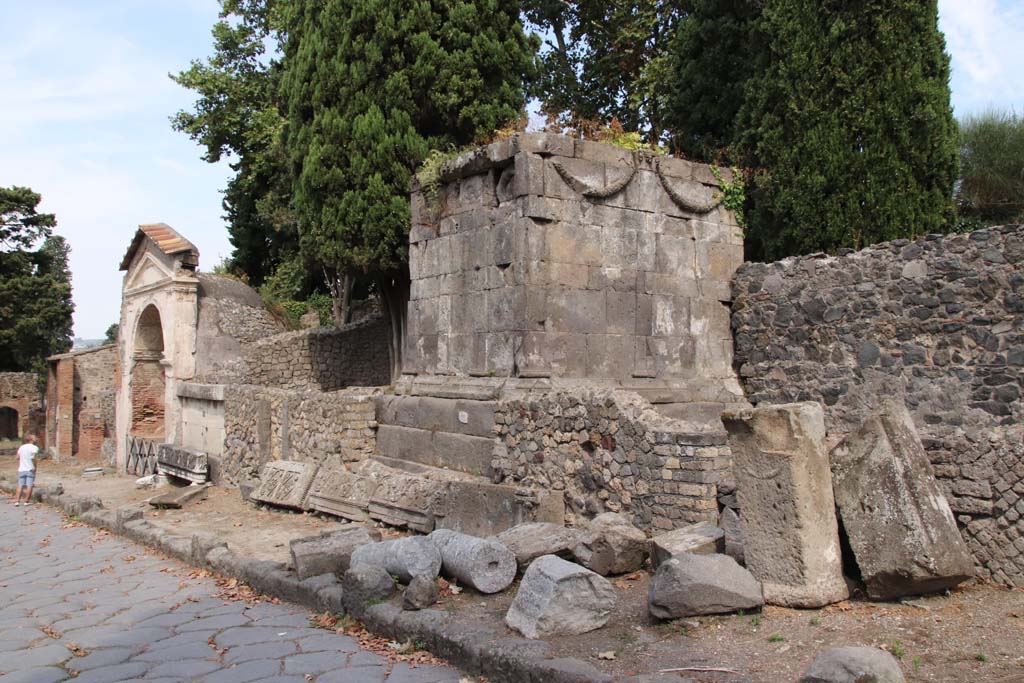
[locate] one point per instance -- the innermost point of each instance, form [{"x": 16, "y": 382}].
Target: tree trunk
[
  {"x": 394, "y": 297},
  {"x": 340, "y": 287}
]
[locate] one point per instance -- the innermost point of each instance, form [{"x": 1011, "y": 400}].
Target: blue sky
[{"x": 86, "y": 101}]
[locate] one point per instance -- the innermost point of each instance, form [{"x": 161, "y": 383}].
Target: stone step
[
  {"x": 441, "y": 449},
  {"x": 178, "y": 497},
  {"x": 423, "y": 498}
]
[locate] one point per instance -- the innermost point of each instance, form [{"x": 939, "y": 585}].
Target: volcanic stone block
[
  {"x": 529, "y": 541},
  {"x": 730, "y": 522},
  {"x": 557, "y": 597},
  {"x": 483, "y": 509},
  {"x": 403, "y": 558},
  {"x": 703, "y": 538},
  {"x": 611, "y": 545},
  {"x": 421, "y": 593},
  {"x": 690, "y": 585},
  {"x": 342, "y": 493},
  {"x": 408, "y": 501},
  {"x": 484, "y": 565},
  {"x": 285, "y": 483},
  {"x": 790, "y": 533},
  {"x": 182, "y": 463},
  {"x": 900, "y": 527},
  {"x": 854, "y": 665},
  {"x": 331, "y": 551}
]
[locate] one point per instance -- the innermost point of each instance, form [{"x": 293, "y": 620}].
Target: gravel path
[{"x": 78, "y": 601}]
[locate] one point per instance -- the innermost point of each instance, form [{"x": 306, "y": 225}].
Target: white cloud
[{"x": 984, "y": 40}]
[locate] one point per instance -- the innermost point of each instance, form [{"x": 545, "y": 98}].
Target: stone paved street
[{"x": 78, "y": 601}]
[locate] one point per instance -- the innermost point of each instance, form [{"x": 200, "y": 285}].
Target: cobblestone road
[{"x": 75, "y": 601}]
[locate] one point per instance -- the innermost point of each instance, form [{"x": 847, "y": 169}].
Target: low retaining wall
[{"x": 937, "y": 322}]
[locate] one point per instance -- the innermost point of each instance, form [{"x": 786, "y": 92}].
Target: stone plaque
[
  {"x": 408, "y": 501},
  {"x": 342, "y": 493},
  {"x": 285, "y": 483},
  {"x": 182, "y": 463}
]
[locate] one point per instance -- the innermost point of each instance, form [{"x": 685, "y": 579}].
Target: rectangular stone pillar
[{"x": 787, "y": 510}]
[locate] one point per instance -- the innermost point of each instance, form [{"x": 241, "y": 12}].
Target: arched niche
[{"x": 148, "y": 381}]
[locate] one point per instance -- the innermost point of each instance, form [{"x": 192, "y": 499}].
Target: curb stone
[{"x": 478, "y": 651}]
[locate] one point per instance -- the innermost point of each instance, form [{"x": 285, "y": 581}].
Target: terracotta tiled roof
[{"x": 166, "y": 239}]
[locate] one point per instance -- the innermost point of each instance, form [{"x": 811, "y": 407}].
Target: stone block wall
[
  {"x": 19, "y": 391},
  {"x": 938, "y": 322},
  {"x": 320, "y": 359},
  {"x": 611, "y": 451},
  {"x": 545, "y": 256},
  {"x": 264, "y": 423}
]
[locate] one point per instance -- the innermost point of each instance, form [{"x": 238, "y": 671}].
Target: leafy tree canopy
[
  {"x": 21, "y": 226},
  {"x": 991, "y": 187}
]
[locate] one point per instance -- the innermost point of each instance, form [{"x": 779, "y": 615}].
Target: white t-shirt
[{"x": 26, "y": 457}]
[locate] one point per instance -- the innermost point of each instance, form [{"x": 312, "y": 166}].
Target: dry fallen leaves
[
  {"x": 76, "y": 650},
  {"x": 213, "y": 646},
  {"x": 128, "y": 558},
  {"x": 609, "y": 655},
  {"x": 233, "y": 590},
  {"x": 50, "y": 631}
]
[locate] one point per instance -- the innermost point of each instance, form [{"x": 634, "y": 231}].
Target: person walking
[{"x": 26, "y": 470}]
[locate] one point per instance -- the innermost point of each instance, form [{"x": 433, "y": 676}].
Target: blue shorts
[{"x": 26, "y": 479}]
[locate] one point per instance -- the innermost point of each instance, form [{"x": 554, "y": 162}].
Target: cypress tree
[
  {"x": 848, "y": 126},
  {"x": 714, "y": 54},
  {"x": 370, "y": 87}
]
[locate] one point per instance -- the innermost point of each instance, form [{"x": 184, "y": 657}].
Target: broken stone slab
[
  {"x": 610, "y": 544},
  {"x": 854, "y": 665},
  {"x": 402, "y": 558},
  {"x": 730, "y": 522},
  {"x": 331, "y": 551},
  {"x": 405, "y": 500},
  {"x": 342, "y": 493},
  {"x": 901, "y": 530},
  {"x": 421, "y": 593},
  {"x": 790, "y": 532},
  {"x": 482, "y": 564},
  {"x": 557, "y": 597},
  {"x": 179, "y": 497},
  {"x": 690, "y": 585},
  {"x": 533, "y": 539},
  {"x": 285, "y": 483},
  {"x": 702, "y": 538},
  {"x": 473, "y": 506},
  {"x": 182, "y": 463}
]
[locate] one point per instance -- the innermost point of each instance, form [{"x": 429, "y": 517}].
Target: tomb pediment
[{"x": 147, "y": 272}]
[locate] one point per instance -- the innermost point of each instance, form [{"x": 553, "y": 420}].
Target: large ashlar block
[
  {"x": 285, "y": 483},
  {"x": 791, "y": 536},
  {"x": 899, "y": 524}
]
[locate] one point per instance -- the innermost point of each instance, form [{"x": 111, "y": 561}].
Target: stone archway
[
  {"x": 148, "y": 381},
  {"x": 10, "y": 423}
]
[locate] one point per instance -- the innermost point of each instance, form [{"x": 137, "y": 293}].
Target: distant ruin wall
[
  {"x": 321, "y": 359},
  {"x": 938, "y": 321},
  {"x": 263, "y": 424}
]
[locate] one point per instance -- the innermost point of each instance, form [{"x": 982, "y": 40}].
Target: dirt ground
[{"x": 972, "y": 634}]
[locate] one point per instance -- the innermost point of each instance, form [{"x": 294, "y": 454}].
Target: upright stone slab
[
  {"x": 342, "y": 493},
  {"x": 900, "y": 527},
  {"x": 790, "y": 532},
  {"x": 182, "y": 463},
  {"x": 285, "y": 483}
]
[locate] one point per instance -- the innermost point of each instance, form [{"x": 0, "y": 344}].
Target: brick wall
[
  {"x": 148, "y": 399},
  {"x": 938, "y": 322}
]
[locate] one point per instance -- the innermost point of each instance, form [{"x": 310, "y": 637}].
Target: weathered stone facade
[
  {"x": 320, "y": 359},
  {"x": 545, "y": 256},
  {"x": 936, "y": 322},
  {"x": 81, "y": 400},
  {"x": 263, "y": 424},
  {"x": 611, "y": 451}
]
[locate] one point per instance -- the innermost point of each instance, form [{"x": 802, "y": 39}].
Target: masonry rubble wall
[
  {"x": 321, "y": 359},
  {"x": 611, "y": 451},
  {"x": 262, "y": 424},
  {"x": 20, "y": 391},
  {"x": 81, "y": 401},
  {"x": 936, "y": 322}
]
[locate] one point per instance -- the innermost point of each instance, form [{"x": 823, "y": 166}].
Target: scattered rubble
[
  {"x": 421, "y": 593},
  {"x": 689, "y": 585},
  {"x": 854, "y": 665},
  {"x": 557, "y": 597},
  {"x": 700, "y": 538},
  {"x": 529, "y": 541},
  {"x": 610, "y": 544}
]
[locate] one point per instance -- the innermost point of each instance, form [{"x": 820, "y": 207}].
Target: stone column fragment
[
  {"x": 790, "y": 532},
  {"x": 484, "y": 565},
  {"x": 900, "y": 527},
  {"x": 403, "y": 558}
]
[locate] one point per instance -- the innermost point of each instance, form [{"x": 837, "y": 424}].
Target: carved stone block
[{"x": 285, "y": 483}]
